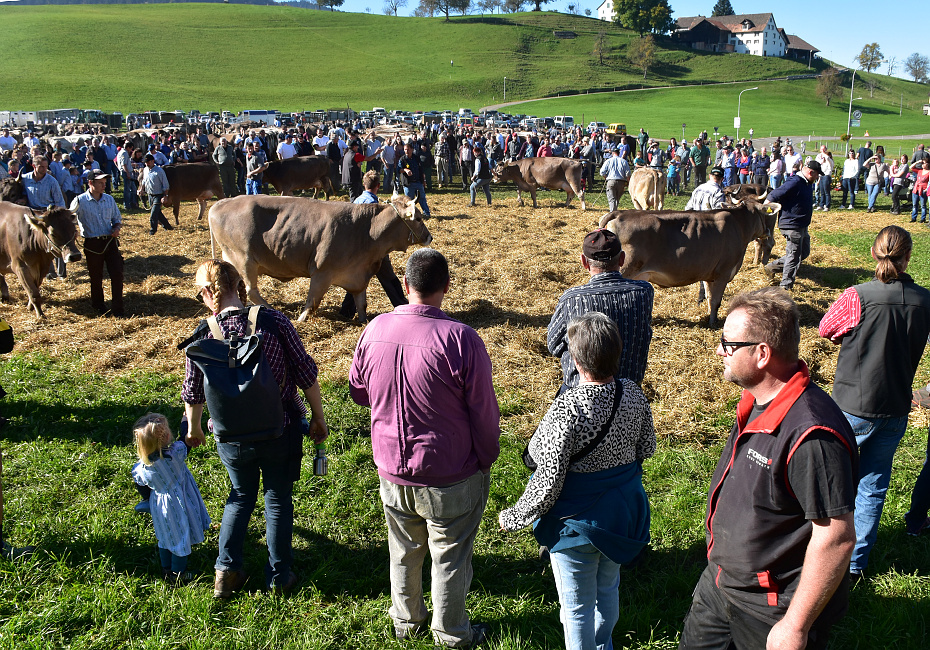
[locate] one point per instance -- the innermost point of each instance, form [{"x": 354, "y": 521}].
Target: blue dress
[{"x": 178, "y": 512}]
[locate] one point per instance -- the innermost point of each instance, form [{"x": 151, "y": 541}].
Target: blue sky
[{"x": 838, "y": 29}]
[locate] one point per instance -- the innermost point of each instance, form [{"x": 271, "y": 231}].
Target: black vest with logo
[{"x": 757, "y": 533}]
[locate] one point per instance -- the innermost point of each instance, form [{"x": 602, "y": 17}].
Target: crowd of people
[{"x": 801, "y": 472}]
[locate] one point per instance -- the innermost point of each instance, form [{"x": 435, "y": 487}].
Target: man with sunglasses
[
  {"x": 779, "y": 522},
  {"x": 99, "y": 223}
]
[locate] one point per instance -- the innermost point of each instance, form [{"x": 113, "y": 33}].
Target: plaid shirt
[{"x": 292, "y": 367}]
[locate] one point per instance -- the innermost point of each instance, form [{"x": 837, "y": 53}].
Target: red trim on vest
[
  {"x": 766, "y": 582},
  {"x": 801, "y": 439},
  {"x": 717, "y": 577}
]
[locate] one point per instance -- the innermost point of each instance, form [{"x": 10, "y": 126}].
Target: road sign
[
  {"x": 683, "y": 125},
  {"x": 854, "y": 123},
  {"x": 857, "y": 115},
  {"x": 736, "y": 122}
]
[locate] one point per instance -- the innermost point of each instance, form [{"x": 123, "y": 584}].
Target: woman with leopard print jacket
[{"x": 592, "y": 511}]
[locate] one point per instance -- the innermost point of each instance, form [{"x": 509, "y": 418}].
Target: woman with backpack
[{"x": 247, "y": 442}]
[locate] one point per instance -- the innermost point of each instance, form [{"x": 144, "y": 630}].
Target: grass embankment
[
  {"x": 235, "y": 57},
  {"x": 77, "y": 383}
]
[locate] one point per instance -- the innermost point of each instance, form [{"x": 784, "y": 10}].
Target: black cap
[{"x": 601, "y": 245}]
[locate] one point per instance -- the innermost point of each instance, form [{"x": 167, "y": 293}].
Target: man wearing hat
[
  {"x": 99, "y": 224},
  {"x": 156, "y": 185},
  {"x": 617, "y": 172},
  {"x": 627, "y": 302},
  {"x": 225, "y": 158},
  {"x": 709, "y": 195},
  {"x": 796, "y": 196}
]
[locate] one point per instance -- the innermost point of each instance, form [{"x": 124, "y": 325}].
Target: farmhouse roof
[
  {"x": 734, "y": 24},
  {"x": 795, "y": 42}
]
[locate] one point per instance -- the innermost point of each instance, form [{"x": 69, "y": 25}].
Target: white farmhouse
[
  {"x": 744, "y": 33},
  {"x": 606, "y": 11}
]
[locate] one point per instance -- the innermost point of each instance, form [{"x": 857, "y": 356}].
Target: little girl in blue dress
[{"x": 178, "y": 512}]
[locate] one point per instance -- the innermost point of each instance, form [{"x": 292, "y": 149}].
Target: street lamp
[
  {"x": 739, "y": 100},
  {"x": 849, "y": 116},
  {"x": 505, "y": 90}
]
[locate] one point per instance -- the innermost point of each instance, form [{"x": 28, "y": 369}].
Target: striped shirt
[{"x": 627, "y": 302}]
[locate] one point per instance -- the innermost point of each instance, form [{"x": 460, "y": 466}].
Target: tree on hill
[
  {"x": 828, "y": 86},
  {"x": 513, "y": 6},
  {"x": 918, "y": 66},
  {"x": 391, "y": 6},
  {"x": 642, "y": 53},
  {"x": 332, "y": 4},
  {"x": 892, "y": 63},
  {"x": 600, "y": 47},
  {"x": 433, "y": 7},
  {"x": 870, "y": 57},
  {"x": 644, "y": 16},
  {"x": 723, "y": 8},
  {"x": 539, "y": 4},
  {"x": 489, "y": 5}
]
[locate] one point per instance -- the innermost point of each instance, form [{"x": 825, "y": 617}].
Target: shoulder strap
[
  {"x": 253, "y": 318},
  {"x": 215, "y": 329},
  {"x": 605, "y": 428}
]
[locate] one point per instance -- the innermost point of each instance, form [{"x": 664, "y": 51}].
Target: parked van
[{"x": 565, "y": 121}]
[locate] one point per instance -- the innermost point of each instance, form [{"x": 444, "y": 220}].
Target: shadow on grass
[
  {"x": 142, "y": 267},
  {"x": 484, "y": 313},
  {"x": 140, "y": 304},
  {"x": 836, "y": 277}
]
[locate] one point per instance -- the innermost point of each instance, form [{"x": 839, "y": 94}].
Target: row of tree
[{"x": 917, "y": 65}]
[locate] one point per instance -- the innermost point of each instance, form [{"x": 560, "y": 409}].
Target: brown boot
[{"x": 227, "y": 583}]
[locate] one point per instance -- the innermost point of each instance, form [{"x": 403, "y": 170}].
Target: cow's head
[
  {"x": 11, "y": 189},
  {"x": 498, "y": 172},
  {"x": 765, "y": 234},
  {"x": 412, "y": 218},
  {"x": 58, "y": 226}
]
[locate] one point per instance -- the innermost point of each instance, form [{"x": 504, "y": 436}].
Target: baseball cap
[
  {"x": 716, "y": 171},
  {"x": 601, "y": 245},
  {"x": 814, "y": 166},
  {"x": 97, "y": 175}
]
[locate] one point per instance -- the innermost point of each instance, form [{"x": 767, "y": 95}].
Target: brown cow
[
  {"x": 300, "y": 173},
  {"x": 675, "y": 249},
  {"x": 12, "y": 191},
  {"x": 329, "y": 242},
  {"x": 29, "y": 240},
  {"x": 743, "y": 191},
  {"x": 191, "y": 182},
  {"x": 531, "y": 173},
  {"x": 647, "y": 188}
]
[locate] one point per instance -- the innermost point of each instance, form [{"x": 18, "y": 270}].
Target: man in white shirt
[
  {"x": 320, "y": 142},
  {"x": 7, "y": 141},
  {"x": 286, "y": 149}
]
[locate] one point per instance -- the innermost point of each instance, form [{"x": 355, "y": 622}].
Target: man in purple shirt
[{"x": 435, "y": 431}]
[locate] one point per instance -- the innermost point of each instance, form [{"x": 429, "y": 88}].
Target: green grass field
[{"x": 235, "y": 57}]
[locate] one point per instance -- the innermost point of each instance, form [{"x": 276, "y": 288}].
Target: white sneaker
[{"x": 849, "y": 207}]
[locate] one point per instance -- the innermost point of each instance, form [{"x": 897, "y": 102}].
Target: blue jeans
[
  {"x": 823, "y": 191},
  {"x": 416, "y": 192},
  {"x": 921, "y": 200},
  {"x": 588, "y": 583},
  {"x": 253, "y": 186},
  {"x": 850, "y": 187},
  {"x": 872, "y": 191},
  {"x": 130, "y": 198},
  {"x": 482, "y": 183},
  {"x": 920, "y": 497},
  {"x": 878, "y": 439},
  {"x": 388, "y": 176},
  {"x": 776, "y": 180},
  {"x": 277, "y": 463}
]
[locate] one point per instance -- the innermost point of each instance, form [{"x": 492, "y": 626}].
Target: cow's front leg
[
  {"x": 31, "y": 285},
  {"x": 203, "y": 208},
  {"x": 319, "y": 284},
  {"x": 701, "y": 291},
  {"x": 533, "y": 194},
  {"x": 715, "y": 290},
  {"x": 4, "y": 289},
  {"x": 520, "y": 197}
]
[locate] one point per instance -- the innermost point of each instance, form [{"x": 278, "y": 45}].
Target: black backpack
[{"x": 243, "y": 397}]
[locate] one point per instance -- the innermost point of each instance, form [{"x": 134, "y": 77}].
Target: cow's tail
[{"x": 212, "y": 238}]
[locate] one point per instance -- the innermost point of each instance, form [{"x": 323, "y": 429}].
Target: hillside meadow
[
  {"x": 76, "y": 384},
  {"x": 235, "y": 57}
]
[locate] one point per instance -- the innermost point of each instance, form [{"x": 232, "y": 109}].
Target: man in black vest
[{"x": 779, "y": 522}]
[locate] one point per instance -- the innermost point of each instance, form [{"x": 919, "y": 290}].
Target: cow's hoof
[{"x": 303, "y": 316}]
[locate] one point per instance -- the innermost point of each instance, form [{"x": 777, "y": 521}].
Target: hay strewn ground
[{"x": 509, "y": 267}]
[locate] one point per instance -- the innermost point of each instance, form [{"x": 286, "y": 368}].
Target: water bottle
[{"x": 320, "y": 463}]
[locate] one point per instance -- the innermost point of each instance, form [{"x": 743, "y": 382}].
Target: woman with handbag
[{"x": 586, "y": 495}]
